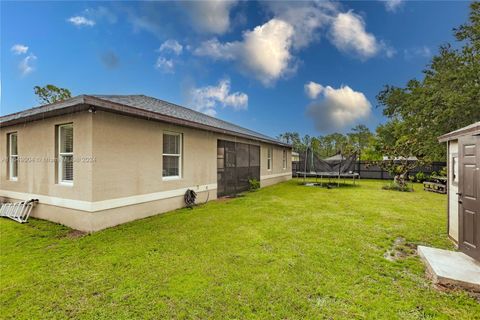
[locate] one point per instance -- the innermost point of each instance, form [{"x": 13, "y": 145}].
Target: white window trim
[
  {"x": 180, "y": 156},
  {"x": 454, "y": 167},
  {"x": 284, "y": 159},
  {"x": 269, "y": 158},
  {"x": 11, "y": 156},
  {"x": 60, "y": 157}
]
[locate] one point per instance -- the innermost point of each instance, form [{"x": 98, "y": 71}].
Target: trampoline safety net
[{"x": 338, "y": 165}]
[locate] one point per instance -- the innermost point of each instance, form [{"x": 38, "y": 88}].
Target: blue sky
[{"x": 310, "y": 67}]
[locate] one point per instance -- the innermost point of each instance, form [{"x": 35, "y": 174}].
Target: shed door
[{"x": 469, "y": 195}]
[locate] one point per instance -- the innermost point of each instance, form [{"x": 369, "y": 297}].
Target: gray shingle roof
[
  {"x": 146, "y": 103},
  {"x": 42, "y": 109}
]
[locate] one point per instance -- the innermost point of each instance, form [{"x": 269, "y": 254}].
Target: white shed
[{"x": 463, "y": 149}]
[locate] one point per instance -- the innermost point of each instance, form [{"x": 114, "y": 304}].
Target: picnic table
[{"x": 436, "y": 184}]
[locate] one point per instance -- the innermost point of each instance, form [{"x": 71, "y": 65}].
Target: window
[
  {"x": 172, "y": 155},
  {"x": 284, "y": 159},
  {"x": 12, "y": 156},
  {"x": 454, "y": 169},
  {"x": 65, "y": 153},
  {"x": 269, "y": 158}
]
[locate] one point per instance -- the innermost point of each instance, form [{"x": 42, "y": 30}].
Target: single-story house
[
  {"x": 96, "y": 161},
  {"x": 463, "y": 149}
]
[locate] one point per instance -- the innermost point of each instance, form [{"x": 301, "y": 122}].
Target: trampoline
[{"x": 339, "y": 166}]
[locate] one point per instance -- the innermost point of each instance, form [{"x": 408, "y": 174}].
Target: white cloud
[
  {"x": 313, "y": 89},
  {"x": 19, "y": 49},
  {"x": 211, "y": 16},
  {"x": 90, "y": 16},
  {"x": 100, "y": 13},
  {"x": 306, "y": 18},
  {"x": 165, "y": 65},
  {"x": 348, "y": 34},
  {"x": 26, "y": 64},
  {"x": 263, "y": 52},
  {"x": 216, "y": 50},
  {"x": 338, "y": 109},
  {"x": 389, "y": 51},
  {"x": 422, "y": 51},
  {"x": 268, "y": 52},
  {"x": 392, "y": 5},
  {"x": 171, "y": 46},
  {"x": 207, "y": 99},
  {"x": 80, "y": 21},
  {"x": 198, "y": 16}
]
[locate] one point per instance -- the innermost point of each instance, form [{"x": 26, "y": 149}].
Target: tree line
[{"x": 360, "y": 139}]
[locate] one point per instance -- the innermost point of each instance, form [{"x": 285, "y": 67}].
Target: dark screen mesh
[
  {"x": 312, "y": 164},
  {"x": 254, "y": 156},
  {"x": 236, "y": 164}
]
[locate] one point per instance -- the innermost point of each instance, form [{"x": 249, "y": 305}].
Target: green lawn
[{"x": 283, "y": 252}]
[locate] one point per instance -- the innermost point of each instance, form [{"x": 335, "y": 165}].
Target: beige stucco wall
[
  {"x": 452, "y": 193},
  {"x": 128, "y": 154},
  {"x": 265, "y": 182},
  {"x": 37, "y": 154},
  {"x": 277, "y": 173},
  {"x": 138, "y": 143},
  {"x": 124, "y": 182},
  {"x": 95, "y": 221}
]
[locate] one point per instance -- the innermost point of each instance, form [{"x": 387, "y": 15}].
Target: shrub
[
  {"x": 420, "y": 177},
  {"x": 254, "y": 184},
  {"x": 443, "y": 172},
  {"x": 397, "y": 187}
]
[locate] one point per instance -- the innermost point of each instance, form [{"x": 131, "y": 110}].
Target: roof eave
[
  {"x": 459, "y": 133},
  {"x": 75, "y": 104}
]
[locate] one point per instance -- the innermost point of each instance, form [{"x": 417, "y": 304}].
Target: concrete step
[{"x": 451, "y": 268}]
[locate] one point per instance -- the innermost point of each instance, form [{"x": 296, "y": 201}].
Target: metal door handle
[{"x": 459, "y": 194}]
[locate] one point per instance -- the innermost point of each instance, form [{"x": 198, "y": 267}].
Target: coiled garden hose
[{"x": 190, "y": 197}]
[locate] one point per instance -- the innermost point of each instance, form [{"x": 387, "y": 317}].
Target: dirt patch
[
  {"x": 447, "y": 288},
  {"x": 400, "y": 250},
  {"x": 74, "y": 234}
]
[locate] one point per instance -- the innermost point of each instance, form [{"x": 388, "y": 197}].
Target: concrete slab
[{"x": 451, "y": 268}]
